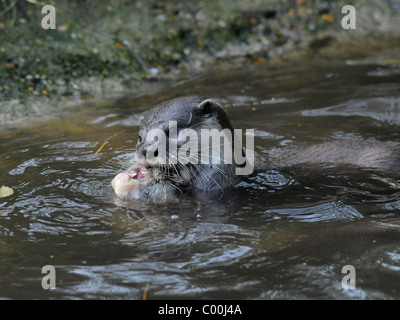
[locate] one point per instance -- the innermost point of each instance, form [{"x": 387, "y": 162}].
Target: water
[{"x": 278, "y": 235}]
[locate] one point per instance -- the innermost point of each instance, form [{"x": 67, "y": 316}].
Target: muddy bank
[{"x": 100, "y": 51}]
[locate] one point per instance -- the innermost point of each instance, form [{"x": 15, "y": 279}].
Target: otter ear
[
  {"x": 141, "y": 120},
  {"x": 208, "y": 108}
]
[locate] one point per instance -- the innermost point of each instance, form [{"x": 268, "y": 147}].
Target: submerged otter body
[
  {"x": 162, "y": 181},
  {"x": 362, "y": 154}
]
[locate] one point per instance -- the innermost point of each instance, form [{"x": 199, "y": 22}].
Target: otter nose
[
  {"x": 143, "y": 148},
  {"x": 142, "y": 153}
]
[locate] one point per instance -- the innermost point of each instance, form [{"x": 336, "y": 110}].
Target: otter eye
[{"x": 140, "y": 138}]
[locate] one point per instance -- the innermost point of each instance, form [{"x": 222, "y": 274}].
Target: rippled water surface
[{"x": 277, "y": 235}]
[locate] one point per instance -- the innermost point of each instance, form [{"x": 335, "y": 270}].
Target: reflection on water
[{"x": 278, "y": 235}]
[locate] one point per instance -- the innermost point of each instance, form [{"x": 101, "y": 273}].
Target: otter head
[
  {"x": 174, "y": 132},
  {"x": 170, "y": 147}
]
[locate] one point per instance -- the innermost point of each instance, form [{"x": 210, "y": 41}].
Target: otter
[{"x": 147, "y": 180}]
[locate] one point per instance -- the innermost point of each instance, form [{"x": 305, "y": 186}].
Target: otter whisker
[
  {"x": 201, "y": 170},
  {"x": 176, "y": 187},
  {"x": 221, "y": 171}
]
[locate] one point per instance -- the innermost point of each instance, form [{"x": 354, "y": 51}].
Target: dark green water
[{"x": 276, "y": 236}]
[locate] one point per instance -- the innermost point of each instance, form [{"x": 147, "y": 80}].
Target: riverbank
[{"x": 99, "y": 52}]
